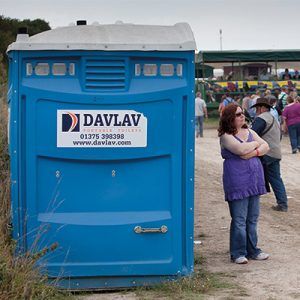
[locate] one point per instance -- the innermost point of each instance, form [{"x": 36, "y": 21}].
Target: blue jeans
[
  {"x": 199, "y": 125},
  {"x": 273, "y": 176},
  {"x": 294, "y": 133},
  {"x": 243, "y": 228}
]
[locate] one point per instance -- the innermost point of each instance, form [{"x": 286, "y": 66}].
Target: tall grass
[{"x": 19, "y": 278}]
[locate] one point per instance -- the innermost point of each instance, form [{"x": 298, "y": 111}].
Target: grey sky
[{"x": 251, "y": 24}]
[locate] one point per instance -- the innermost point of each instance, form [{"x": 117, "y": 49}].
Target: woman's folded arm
[{"x": 233, "y": 145}]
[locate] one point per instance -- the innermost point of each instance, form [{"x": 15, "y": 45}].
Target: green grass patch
[
  {"x": 211, "y": 123},
  {"x": 192, "y": 287},
  {"x": 198, "y": 259}
]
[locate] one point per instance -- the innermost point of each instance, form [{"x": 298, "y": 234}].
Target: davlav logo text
[{"x": 111, "y": 119}]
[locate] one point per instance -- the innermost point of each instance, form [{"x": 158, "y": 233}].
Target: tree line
[{"x": 9, "y": 30}]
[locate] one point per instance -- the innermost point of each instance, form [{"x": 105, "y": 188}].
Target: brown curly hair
[{"x": 226, "y": 124}]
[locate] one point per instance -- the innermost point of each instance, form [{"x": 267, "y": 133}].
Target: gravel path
[{"x": 276, "y": 278}]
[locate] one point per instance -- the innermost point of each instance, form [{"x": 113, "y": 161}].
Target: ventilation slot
[{"x": 105, "y": 75}]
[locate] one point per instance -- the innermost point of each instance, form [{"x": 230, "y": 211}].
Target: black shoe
[
  {"x": 279, "y": 208},
  {"x": 294, "y": 151}
]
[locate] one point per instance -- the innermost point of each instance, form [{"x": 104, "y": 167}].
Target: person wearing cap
[{"x": 268, "y": 129}]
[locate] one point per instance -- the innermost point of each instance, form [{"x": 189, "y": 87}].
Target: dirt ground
[{"x": 279, "y": 232}]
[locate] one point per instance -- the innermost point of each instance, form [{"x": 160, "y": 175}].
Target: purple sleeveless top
[{"x": 242, "y": 177}]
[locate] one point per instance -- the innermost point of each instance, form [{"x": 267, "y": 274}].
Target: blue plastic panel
[{"x": 89, "y": 200}]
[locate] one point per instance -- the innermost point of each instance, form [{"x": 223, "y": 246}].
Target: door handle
[{"x": 162, "y": 229}]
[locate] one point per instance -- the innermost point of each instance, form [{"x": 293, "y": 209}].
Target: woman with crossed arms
[{"x": 243, "y": 182}]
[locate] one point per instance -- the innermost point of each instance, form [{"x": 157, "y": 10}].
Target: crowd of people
[
  {"x": 287, "y": 75},
  {"x": 284, "y": 106},
  {"x": 217, "y": 87},
  {"x": 250, "y": 131},
  {"x": 264, "y": 75}
]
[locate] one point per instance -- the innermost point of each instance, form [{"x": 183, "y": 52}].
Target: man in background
[
  {"x": 268, "y": 129},
  {"x": 227, "y": 100},
  {"x": 286, "y": 75},
  {"x": 273, "y": 102},
  {"x": 246, "y": 103},
  {"x": 282, "y": 97},
  {"x": 254, "y": 97},
  {"x": 200, "y": 112}
]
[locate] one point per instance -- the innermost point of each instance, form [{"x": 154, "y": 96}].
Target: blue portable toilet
[{"x": 102, "y": 152}]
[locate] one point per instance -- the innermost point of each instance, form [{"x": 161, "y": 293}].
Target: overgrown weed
[
  {"x": 19, "y": 276},
  {"x": 191, "y": 287}
]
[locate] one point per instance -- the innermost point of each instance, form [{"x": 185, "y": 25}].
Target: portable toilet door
[{"x": 102, "y": 152}]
